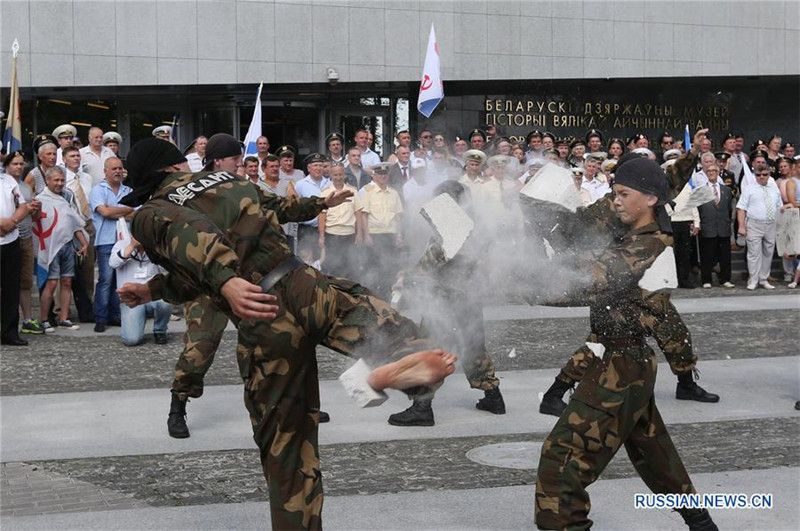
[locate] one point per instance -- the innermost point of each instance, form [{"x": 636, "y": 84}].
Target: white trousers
[{"x": 760, "y": 248}]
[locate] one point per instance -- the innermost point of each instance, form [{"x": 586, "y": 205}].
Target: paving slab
[
  {"x": 496, "y": 508},
  {"x": 75, "y": 425}
]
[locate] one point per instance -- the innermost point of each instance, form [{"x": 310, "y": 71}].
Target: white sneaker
[
  {"x": 706, "y": 286},
  {"x": 48, "y": 328},
  {"x": 792, "y": 285},
  {"x": 766, "y": 285},
  {"x": 728, "y": 285},
  {"x": 751, "y": 287}
]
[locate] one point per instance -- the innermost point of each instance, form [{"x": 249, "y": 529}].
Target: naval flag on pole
[
  {"x": 431, "y": 90},
  {"x": 687, "y": 139},
  {"x": 254, "y": 131},
  {"x": 12, "y": 137}
]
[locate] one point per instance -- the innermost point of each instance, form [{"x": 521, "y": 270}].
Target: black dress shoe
[
  {"x": 692, "y": 391},
  {"x": 324, "y": 417},
  {"x": 14, "y": 342}
]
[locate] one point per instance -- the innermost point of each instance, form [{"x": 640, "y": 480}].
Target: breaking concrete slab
[
  {"x": 354, "y": 381},
  {"x": 451, "y": 225},
  {"x": 553, "y": 185}
]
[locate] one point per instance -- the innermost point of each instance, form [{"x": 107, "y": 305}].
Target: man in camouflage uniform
[
  {"x": 614, "y": 403},
  {"x": 669, "y": 330},
  {"x": 212, "y": 234},
  {"x": 204, "y": 324},
  {"x": 454, "y": 285}
]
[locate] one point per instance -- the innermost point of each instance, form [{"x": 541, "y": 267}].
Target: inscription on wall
[{"x": 517, "y": 117}]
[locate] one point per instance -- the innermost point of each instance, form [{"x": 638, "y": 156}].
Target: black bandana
[
  {"x": 144, "y": 161},
  {"x": 220, "y": 146},
  {"x": 644, "y": 175}
]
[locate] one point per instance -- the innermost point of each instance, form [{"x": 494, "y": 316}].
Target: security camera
[{"x": 333, "y": 76}]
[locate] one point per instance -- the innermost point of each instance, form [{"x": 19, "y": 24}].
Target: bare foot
[{"x": 421, "y": 368}]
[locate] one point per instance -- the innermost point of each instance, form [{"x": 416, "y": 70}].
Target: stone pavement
[{"x": 84, "y": 444}]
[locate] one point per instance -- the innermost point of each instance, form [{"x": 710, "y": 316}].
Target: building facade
[{"x": 562, "y": 66}]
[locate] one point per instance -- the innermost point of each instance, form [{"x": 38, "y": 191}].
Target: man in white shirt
[
  {"x": 93, "y": 156},
  {"x": 591, "y": 183},
  {"x": 133, "y": 266},
  {"x": 757, "y": 211},
  {"x": 112, "y": 140},
  {"x": 80, "y": 184},
  {"x": 311, "y": 185},
  {"x": 699, "y": 178},
  {"x": 13, "y": 209},
  {"x": 64, "y": 134},
  {"x": 368, "y": 157},
  {"x": 198, "y": 153}
]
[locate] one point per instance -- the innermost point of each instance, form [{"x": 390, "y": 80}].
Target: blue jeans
[
  {"x": 133, "y": 320},
  {"x": 106, "y": 300}
]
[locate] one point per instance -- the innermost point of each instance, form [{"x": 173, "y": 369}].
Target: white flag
[
  {"x": 255, "y": 127},
  {"x": 431, "y": 90}
]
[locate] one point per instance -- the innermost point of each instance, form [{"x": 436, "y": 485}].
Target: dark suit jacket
[
  {"x": 396, "y": 180},
  {"x": 715, "y": 220},
  {"x": 351, "y": 179}
]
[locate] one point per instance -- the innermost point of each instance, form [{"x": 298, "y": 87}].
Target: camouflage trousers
[
  {"x": 671, "y": 335},
  {"x": 278, "y": 365},
  {"x": 205, "y": 325},
  {"x": 612, "y": 406}
]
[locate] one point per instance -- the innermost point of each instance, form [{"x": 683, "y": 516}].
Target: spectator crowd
[{"x": 62, "y": 224}]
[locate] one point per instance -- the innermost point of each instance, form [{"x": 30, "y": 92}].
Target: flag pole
[{"x": 13, "y": 105}]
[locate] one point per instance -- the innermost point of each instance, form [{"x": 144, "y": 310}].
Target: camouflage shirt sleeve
[
  {"x": 679, "y": 173},
  {"x": 292, "y": 208},
  {"x": 189, "y": 246},
  {"x": 616, "y": 271}
]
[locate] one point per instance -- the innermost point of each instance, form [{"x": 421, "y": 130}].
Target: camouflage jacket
[
  {"x": 618, "y": 307},
  {"x": 205, "y": 228}
]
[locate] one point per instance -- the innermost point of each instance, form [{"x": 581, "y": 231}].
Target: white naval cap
[
  {"x": 112, "y": 136},
  {"x": 65, "y": 128}
]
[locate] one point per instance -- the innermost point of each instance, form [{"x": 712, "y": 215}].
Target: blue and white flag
[
  {"x": 431, "y": 89},
  {"x": 254, "y": 131},
  {"x": 687, "y": 139},
  {"x": 12, "y": 137}
]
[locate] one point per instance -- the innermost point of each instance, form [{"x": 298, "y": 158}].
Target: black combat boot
[
  {"x": 419, "y": 414},
  {"x": 689, "y": 390},
  {"x": 551, "y": 401},
  {"x": 176, "y": 421},
  {"x": 698, "y": 520},
  {"x": 492, "y": 402}
]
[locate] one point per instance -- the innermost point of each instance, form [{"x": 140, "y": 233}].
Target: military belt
[{"x": 279, "y": 271}]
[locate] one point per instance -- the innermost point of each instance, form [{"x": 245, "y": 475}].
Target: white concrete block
[
  {"x": 662, "y": 273},
  {"x": 555, "y": 186},
  {"x": 598, "y": 348},
  {"x": 451, "y": 225},
  {"x": 354, "y": 381},
  {"x": 788, "y": 237}
]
